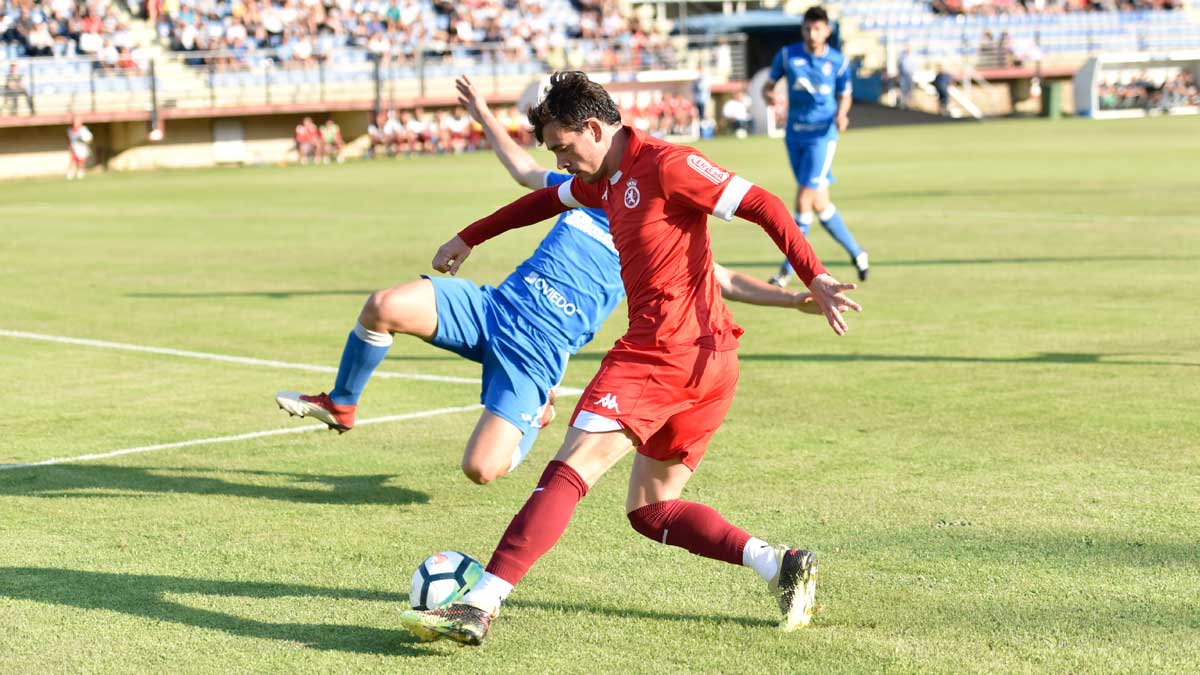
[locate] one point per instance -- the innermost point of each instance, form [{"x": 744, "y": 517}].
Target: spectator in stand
[
  {"x": 1182, "y": 90},
  {"x": 331, "y": 133},
  {"x": 941, "y": 84},
  {"x": 702, "y": 91},
  {"x": 907, "y": 68},
  {"x": 376, "y": 136},
  {"x": 683, "y": 116},
  {"x": 458, "y": 128},
  {"x": 308, "y": 141},
  {"x": 405, "y": 140},
  {"x": 419, "y": 134},
  {"x": 396, "y": 134},
  {"x": 14, "y": 90},
  {"x": 736, "y": 112},
  {"x": 79, "y": 149}
]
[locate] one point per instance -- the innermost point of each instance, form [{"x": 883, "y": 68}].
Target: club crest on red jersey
[
  {"x": 633, "y": 196},
  {"x": 705, "y": 168}
]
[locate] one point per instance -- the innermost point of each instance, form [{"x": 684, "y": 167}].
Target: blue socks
[
  {"x": 364, "y": 351},
  {"x": 523, "y": 448},
  {"x": 832, "y": 221}
]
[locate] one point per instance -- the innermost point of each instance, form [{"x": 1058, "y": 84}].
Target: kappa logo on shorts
[
  {"x": 705, "y": 168},
  {"x": 608, "y": 401}
]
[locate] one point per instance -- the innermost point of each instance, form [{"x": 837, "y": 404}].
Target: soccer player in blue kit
[
  {"x": 819, "y": 99},
  {"x": 522, "y": 331}
]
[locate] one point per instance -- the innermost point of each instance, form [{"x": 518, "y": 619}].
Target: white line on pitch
[
  {"x": 239, "y": 437},
  {"x": 562, "y": 391},
  {"x": 222, "y": 357}
]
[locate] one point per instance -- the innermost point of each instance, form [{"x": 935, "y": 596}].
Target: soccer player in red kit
[{"x": 666, "y": 385}]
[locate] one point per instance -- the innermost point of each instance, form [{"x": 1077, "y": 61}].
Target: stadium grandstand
[{"x": 227, "y": 80}]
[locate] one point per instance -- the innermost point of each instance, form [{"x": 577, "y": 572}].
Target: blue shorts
[
  {"x": 520, "y": 366},
  {"x": 812, "y": 160}
]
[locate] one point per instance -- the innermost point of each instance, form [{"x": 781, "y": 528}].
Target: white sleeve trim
[
  {"x": 731, "y": 198},
  {"x": 565, "y": 196},
  {"x": 545, "y": 179}
]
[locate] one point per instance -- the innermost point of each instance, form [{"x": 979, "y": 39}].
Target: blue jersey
[
  {"x": 814, "y": 85},
  {"x": 572, "y": 282}
]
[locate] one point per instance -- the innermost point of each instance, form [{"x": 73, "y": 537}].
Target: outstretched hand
[
  {"x": 829, "y": 294},
  {"x": 450, "y": 256},
  {"x": 469, "y": 98},
  {"x": 806, "y": 303}
]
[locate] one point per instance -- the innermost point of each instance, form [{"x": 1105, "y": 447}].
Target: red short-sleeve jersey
[{"x": 658, "y": 204}]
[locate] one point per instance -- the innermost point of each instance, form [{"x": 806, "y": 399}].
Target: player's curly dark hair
[
  {"x": 571, "y": 100},
  {"x": 816, "y": 14}
]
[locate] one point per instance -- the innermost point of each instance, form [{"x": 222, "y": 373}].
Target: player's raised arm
[
  {"x": 520, "y": 164},
  {"x": 738, "y": 287}
]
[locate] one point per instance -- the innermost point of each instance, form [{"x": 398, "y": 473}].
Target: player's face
[
  {"x": 579, "y": 153},
  {"x": 815, "y": 33}
]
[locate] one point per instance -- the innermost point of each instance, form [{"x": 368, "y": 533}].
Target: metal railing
[{"x": 350, "y": 76}]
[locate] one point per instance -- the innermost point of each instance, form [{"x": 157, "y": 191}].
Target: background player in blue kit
[
  {"x": 522, "y": 331},
  {"x": 819, "y": 99}
]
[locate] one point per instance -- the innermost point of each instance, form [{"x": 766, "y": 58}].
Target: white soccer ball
[{"x": 443, "y": 578}]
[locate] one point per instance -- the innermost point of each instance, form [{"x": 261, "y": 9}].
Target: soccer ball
[{"x": 443, "y": 578}]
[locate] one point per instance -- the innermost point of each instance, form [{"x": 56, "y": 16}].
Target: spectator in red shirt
[{"x": 666, "y": 385}]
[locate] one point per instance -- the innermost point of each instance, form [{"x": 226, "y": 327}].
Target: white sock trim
[
  {"x": 489, "y": 592},
  {"x": 371, "y": 337},
  {"x": 760, "y": 556},
  {"x": 829, "y": 212},
  {"x": 805, "y": 218}
]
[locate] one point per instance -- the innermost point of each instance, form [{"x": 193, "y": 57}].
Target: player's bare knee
[
  {"x": 481, "y": 471},
  {"x": 372, "y": 314}
]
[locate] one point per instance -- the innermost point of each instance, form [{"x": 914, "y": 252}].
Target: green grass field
[{"x": 999, "y": 466}]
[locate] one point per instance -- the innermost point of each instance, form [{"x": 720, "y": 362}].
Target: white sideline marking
[
  {"x": 562, "y": 391},
  {"x": 221, "y": 357},
  {"x": 239, "y": 437}
]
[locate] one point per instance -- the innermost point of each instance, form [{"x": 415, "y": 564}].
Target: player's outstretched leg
[
  {"x": 364, "y": 351},
  {"x": 533, "y": 531},
  {"x": 656, "y": 513},
  {"x": 833, "y": 223},
  {"x": 409, "y": 308}
]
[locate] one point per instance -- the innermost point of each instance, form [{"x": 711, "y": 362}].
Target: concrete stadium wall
[{"x": 199, "y": 142}]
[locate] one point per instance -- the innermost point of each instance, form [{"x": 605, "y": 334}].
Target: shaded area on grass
[
  {"x": 1067, "y": 358},
  {"x": 878, "y": 262},
  {"x": 274, "y": 295},
  {"x": 145, "y": 596},
  {"x": 99, "y": 480}
]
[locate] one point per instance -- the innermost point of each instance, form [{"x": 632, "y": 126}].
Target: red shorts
[{"x": 672, "y": 402}]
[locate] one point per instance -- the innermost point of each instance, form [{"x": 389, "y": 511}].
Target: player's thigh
[
  {"x": 489, "y": 452},
  {"x": 513, "y": 389},
  {"x": 409, "y": 308},
  {"x": 655, "y": 480},
  {"x": 459, "y": 317},
  {"x": 810, "y": 162},
  {"x": 592, "y": 453},
  {"x": 820, "y": 197},
  {"x": 686, "y": 434}
]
